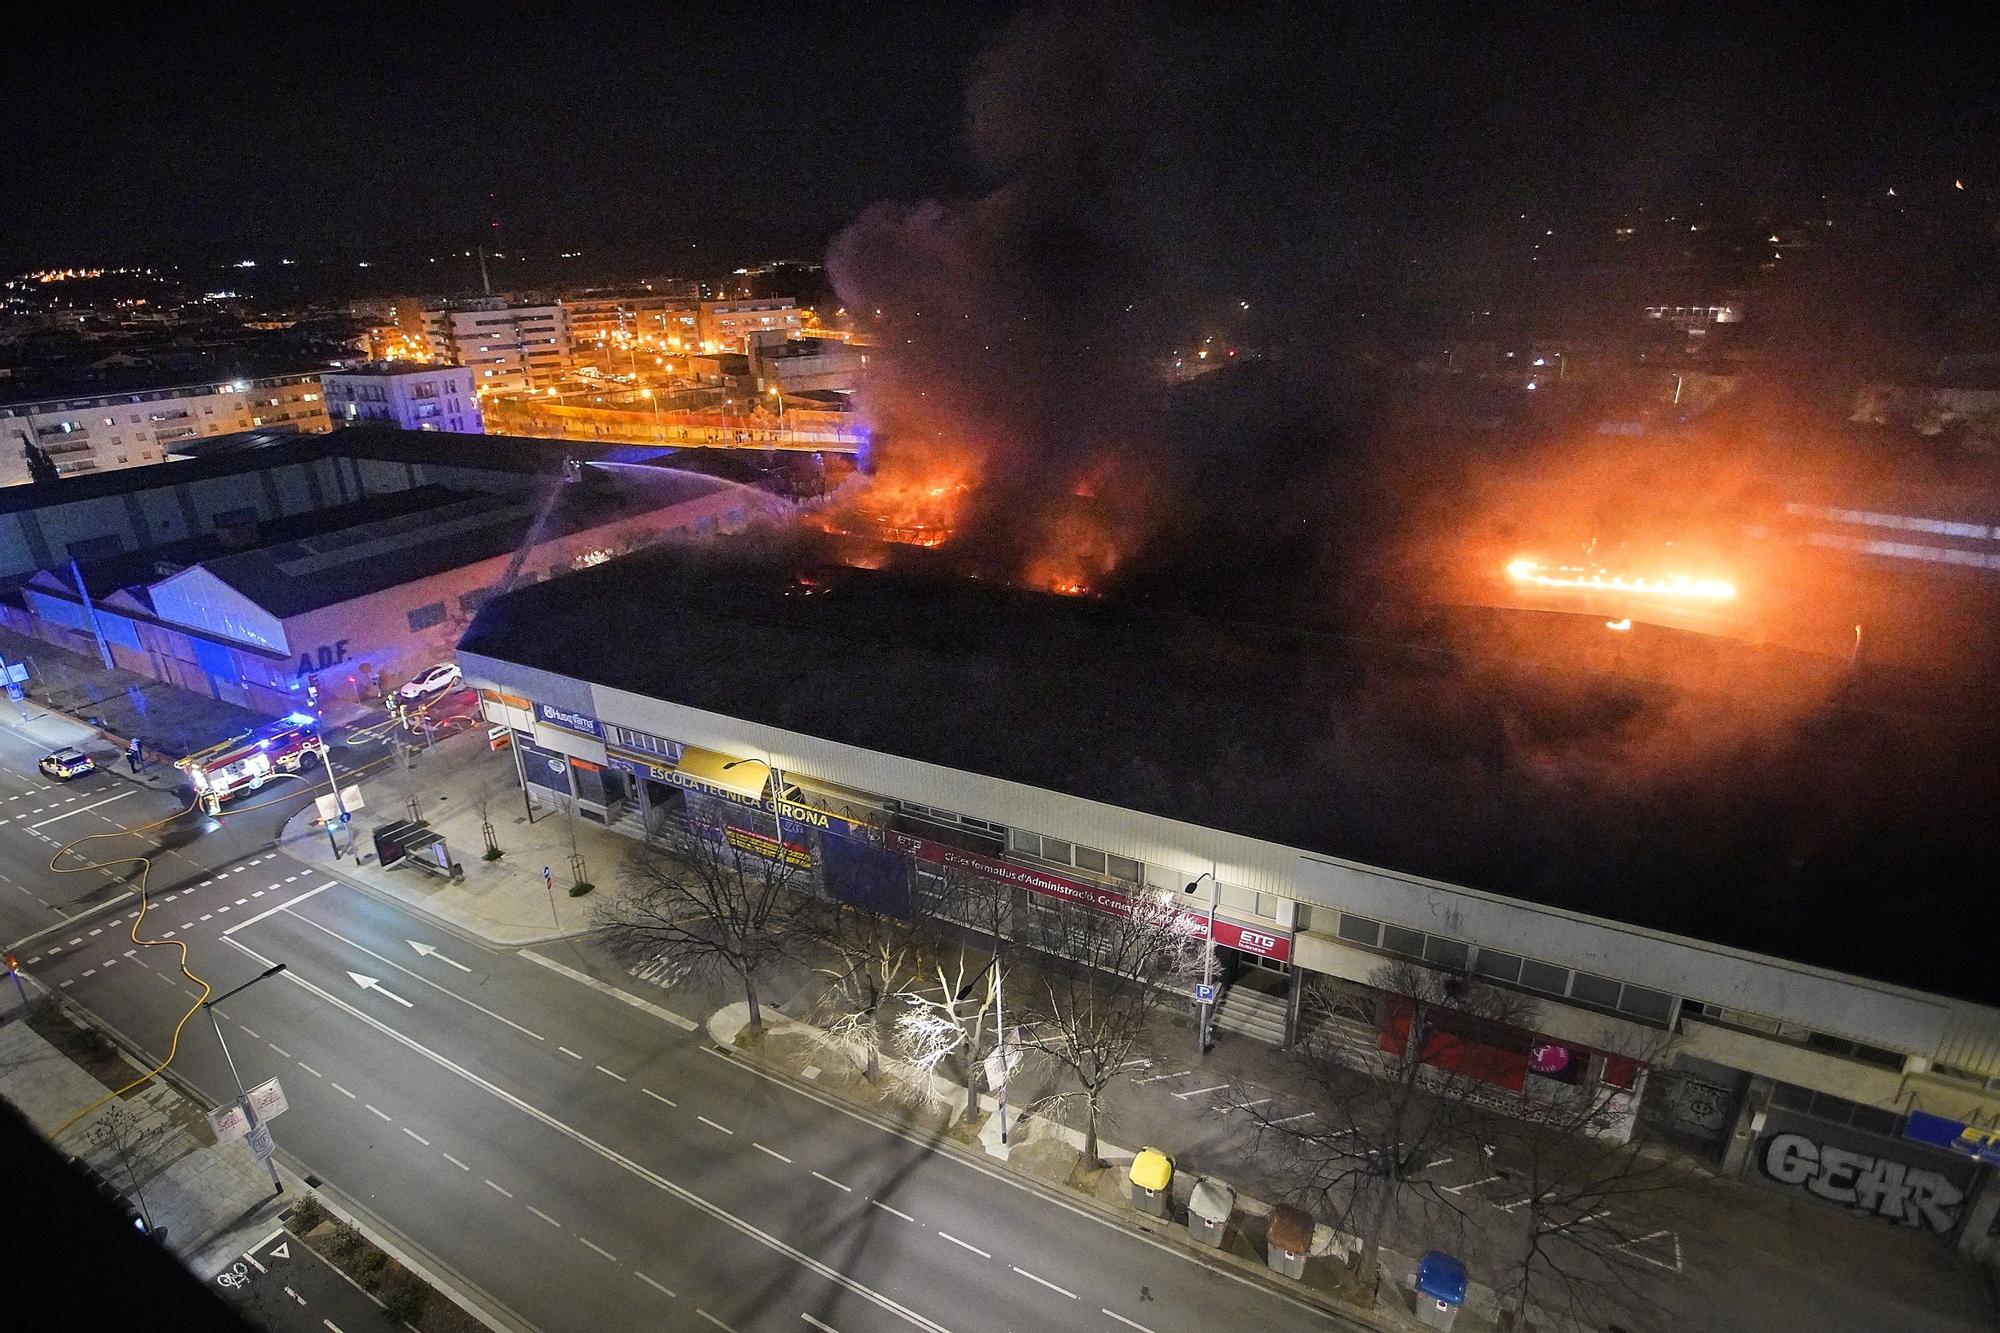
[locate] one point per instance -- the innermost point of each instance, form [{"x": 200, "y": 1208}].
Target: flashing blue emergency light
[{"x": 300, "y": 718}]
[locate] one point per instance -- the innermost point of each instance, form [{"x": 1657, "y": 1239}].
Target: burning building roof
[{"x": 1714, "y": 806}]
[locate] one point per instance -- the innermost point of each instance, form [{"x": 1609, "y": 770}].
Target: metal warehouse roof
[{"x": 1849, "y": 842}]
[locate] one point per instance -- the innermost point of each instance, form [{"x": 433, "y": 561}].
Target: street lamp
[
  {"x": 249, "y": 1111},
  {"x": 777, "y": 392},
  {"x": 777, "y": 785},
  {"x": 1207, "y": 954}
]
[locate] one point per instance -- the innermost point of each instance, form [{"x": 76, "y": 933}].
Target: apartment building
[
  {"x": 510, "y": 349},
  {"x": 104, "y": 431},
  {"x": 726, "y": 326},
  {"x": 413, "y": 397}
]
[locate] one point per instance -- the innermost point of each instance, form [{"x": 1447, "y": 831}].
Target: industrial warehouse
[
  {"x": 1083, "y": 753},
  {"x": 275, "y": 565}
]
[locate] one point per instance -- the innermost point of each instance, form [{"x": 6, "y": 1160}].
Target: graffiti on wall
[{"x": 1909, "y": 1196}]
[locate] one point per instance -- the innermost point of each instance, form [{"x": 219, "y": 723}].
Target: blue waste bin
[{"x": 1440, "y": 1289}]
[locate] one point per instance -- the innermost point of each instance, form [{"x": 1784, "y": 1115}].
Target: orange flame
[{"x": 1533, "y": 573}]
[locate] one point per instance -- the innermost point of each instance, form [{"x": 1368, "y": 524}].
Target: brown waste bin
[{"x": 1288, "y": 1239}]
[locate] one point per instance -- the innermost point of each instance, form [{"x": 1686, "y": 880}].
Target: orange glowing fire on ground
[
  {"x": 1591, "y": 578},
  {"x": 911, "y": 513}
]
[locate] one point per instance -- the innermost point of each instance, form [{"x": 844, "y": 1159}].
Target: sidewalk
[
  {"x": 115, "y": 705},
  {"x": 212, "y": 1200},
  {"x": 1751, "y": 1258},
  {"x": 505, "y": 901},
  {"x": 77, "y": 701}
]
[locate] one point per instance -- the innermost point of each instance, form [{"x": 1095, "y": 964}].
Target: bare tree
[
  {"x": 1585, "y": 1214},
  {"x": 710, "y": 904},
  {"x": 1089, "y": 1011},
  {"x": 946, "y": 1007},
  {"x": 132, "y": 1144},
  {"x": 1386, "y": 1112},
  {"x": 874, "y": 937}
]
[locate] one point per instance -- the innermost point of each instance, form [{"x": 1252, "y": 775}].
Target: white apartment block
[
  {"x": 726, "y": 326},
  {"x": 510, "y": 349},
  {"x": 412, "y": 397},
  {"x": 106, "y": 431}
]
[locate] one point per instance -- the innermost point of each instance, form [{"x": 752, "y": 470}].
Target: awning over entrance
[{"x": 710, "y": 770}]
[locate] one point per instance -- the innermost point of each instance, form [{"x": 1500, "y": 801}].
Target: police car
[{"x": 66, "y": 764}]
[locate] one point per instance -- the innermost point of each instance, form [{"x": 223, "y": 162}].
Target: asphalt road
[
  {"x": 585, "y": 1162},
  {"x": 280, "y": 1284}
]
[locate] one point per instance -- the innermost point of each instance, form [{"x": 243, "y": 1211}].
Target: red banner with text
[{"x": 1249, "y": 939}]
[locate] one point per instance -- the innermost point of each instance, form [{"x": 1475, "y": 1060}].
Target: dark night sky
[{"x": 763, "y": 129}]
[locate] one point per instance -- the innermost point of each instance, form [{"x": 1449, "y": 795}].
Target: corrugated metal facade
[{"x": 1868, "y": 1011}]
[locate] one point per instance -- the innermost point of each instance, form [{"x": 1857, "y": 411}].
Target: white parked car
[{"x": 430, "y": 680}]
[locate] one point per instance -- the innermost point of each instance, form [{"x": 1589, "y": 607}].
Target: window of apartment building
[{"x": 426, "y": 616}]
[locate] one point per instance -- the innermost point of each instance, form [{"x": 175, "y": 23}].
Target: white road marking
[
  {"x": 418, "y": 1137},
  {"x": 241, "y": 901},
  {"x": 600, "y": 1249},
  {"x": 253, "y": 920},
  {"x": 539, "y": 1213},
  {"x": 98, "y": 931},
  {"x": 1244, "y": 1106},
  {"x": 90, "y": 971},
  {"x": 1439, "y": 1162},
  {"x": 81, "y": 809},
  {"x": 609, "y": 1154},
  {"x": 773, "y": 1152},
  {"x": 713, "y": 1320},
  {"x": 1044, "y": 1281},
  {"x": 310, "y": 1070},
  {"x": 649, "y": 1282},
  {"x": 1129, "y": 1323},
  {"x": 279, "y": 1049},
  {"x": 370, "y": 983},
  {"x": 712, "y": 1125},
  {"x": 823, "y": 1328},
  {"x": 685, "y": 1024},
  {"x": 897, "y": 1211},
  {"x": 1155, "y": 1078},
  {"x": 567, "y": 1051},
  {"x": 965, "y": 1245},
  {"x": 657, "y": 1097},
  {"x": 508, "y": 1193},
  {"x": 371, "y": 1106},
  {"x": 848, "y": 1189},
  {"x": 337, "y": 1088},
  {"x": 1484, "y": 1180},
  {"x": 1199, "y": 1092},
  {"x": 428, "y": 951},
  {"x": 453, "y": 1160},
  {"x": 620, "y": 1077},
  {"x": 416, "y": 976}
]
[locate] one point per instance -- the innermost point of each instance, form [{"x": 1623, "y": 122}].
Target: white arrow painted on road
[
  {"x": 370, "y": 983},
  {"x": 429, "y": 952}
]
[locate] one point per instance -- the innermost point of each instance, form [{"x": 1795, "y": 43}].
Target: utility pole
[
  {"x": 1207, "y": 956},
  {"x": 249, "y": 1111}
]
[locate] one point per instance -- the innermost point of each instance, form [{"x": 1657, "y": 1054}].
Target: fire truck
[{"x": 249, "y": 760}]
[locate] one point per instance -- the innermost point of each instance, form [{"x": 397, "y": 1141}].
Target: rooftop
[
  {"x": 392, "y": 369},
  {"x": 1843, "y": 840}
]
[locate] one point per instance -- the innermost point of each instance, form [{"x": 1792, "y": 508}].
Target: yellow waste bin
[{"x": 1152, "y": 1181}]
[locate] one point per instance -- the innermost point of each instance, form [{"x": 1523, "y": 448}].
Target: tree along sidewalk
[{"x": 904, "y": 1002}]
